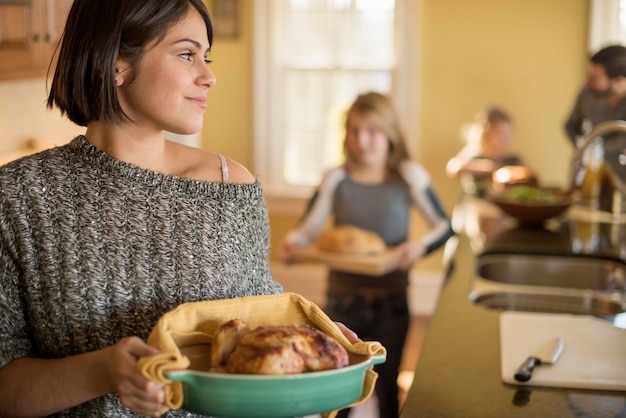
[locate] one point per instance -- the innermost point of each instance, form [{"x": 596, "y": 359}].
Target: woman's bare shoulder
[
  {"x": 237, "y": 173},
  {"x": 199, "y": 164}
]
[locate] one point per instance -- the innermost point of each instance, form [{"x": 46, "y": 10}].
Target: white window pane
[
  {"x": 306, "y": 40},
  {"x": 622, "y": 20},
  {"x": 320, "y": 37},
  {"x": 316, "y": 56},
  {"x": 315, "y": 103},
  {"x": 366, "y": 42},
  {"x": 375, "y": 5}
]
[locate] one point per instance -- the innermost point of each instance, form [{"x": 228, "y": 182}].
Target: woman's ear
[{"x": 122, "y": 71}]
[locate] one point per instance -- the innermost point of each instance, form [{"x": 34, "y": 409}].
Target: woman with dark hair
[
  {"x": 375, "y": 190},
  {"x": 100, "y": 237}
]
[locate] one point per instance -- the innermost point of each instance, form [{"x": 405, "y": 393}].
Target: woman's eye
[
  {"x": 207, "y": 61},
  {"x": 187, "y": 55}
]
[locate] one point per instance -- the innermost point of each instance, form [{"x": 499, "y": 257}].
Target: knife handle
[{"x": 525, "y": 371}]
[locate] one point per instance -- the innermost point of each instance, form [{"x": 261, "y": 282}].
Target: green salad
[{"x": 529, "y": 194}]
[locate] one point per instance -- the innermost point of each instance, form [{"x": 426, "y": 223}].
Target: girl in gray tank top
[{"x": 375, "y": 189}]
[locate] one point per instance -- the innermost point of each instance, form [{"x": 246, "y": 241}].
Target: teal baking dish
[{"x": 263, "y": 396}]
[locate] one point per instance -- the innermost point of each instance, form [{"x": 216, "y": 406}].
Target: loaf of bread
[{"x": 350, "y": 239}]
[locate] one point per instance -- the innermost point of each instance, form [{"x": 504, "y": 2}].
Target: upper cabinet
[{"x": 30, "y": 31}]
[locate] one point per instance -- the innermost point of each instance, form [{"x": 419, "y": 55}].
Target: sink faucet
[{"x": 599, "y": 170}]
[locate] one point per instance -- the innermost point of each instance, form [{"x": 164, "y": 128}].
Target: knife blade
[{"x": 548, "y": 353}]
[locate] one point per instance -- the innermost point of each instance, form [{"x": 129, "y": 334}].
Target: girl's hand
[
  {"x": 287, "y": 251},
  {"x": 410, "y": 252},
  {"x": 135, "y": 391}
]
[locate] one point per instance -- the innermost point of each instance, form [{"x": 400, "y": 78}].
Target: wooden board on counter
[
  {"x": 369, "y": 264},
  {"x": 593, "y": 353}
]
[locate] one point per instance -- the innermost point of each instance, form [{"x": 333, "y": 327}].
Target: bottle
[{"x": 592, "y": 173}]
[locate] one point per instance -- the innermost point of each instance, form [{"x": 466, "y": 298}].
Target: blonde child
[
  {"x": 488, "y": 149},
  {"x": 375, "y": 189}
]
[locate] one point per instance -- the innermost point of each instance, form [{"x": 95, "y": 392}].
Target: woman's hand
[
  {"x": 135, "y": 391},
  {"x": 410, "y": 252},
  {"x": 348, "y": 333}
]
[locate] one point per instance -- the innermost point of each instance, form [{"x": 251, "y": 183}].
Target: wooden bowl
[{"x": 532, "y": 205}]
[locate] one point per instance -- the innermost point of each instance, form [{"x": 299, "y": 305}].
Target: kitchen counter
[{"x": 458, "y": 373}]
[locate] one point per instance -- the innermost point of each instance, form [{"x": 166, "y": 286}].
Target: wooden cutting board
[
  {"x": 369, "y": 264},
  {"x": 593, "y": 357}
]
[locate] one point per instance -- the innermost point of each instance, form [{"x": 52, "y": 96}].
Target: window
[
  {"x": 607, "y": 23},
  {"x": 312, "y": 57}
]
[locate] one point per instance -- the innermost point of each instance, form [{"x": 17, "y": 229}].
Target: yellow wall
[
  {"x": 528, "y": 56},
  {"x": 228, "y": 120}
]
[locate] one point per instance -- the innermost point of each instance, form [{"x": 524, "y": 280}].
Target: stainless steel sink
[{"x": 550, "y": 283}]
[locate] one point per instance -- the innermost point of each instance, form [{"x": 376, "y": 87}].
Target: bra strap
[{"x": 224, "y": 168}]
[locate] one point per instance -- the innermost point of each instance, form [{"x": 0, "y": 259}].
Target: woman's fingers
[
  {"x": 136, "y": 392},
  {"x": 147, "y": 400},
  {"x": 348, "y": 333}
]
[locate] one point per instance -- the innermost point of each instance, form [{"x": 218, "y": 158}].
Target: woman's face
[
  {"x": 171, "y": 80},
  {"x": 365, "y": 143}
]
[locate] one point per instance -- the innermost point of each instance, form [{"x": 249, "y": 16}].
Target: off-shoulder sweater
[{"x": 93, "y": 249}]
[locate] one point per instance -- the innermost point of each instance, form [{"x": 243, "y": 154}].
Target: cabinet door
[
  {"x": 52, "y": 25},
  {"x": 19, "y": 48},
  {"x": 29, "y": 34}
]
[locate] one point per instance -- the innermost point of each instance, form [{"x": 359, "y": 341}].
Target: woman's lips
[{"x": 200, "y": 101}]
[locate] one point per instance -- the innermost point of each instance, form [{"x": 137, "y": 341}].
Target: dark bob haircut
[{"x": 97, "y": 32}]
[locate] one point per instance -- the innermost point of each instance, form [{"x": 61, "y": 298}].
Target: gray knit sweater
[{"x": 93, "y": 249}]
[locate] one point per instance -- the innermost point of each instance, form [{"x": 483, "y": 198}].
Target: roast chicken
[{"x": 274, "y": 349}]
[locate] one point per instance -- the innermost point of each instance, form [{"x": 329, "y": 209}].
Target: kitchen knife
[{"x": 548, "y": 353}]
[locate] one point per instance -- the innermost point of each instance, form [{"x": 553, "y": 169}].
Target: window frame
[{"x": 267, "y": 87}]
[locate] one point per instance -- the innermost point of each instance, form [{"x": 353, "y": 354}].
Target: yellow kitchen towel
[{"x": 195, "y": 322}]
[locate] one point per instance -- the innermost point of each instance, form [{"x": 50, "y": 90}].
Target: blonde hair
[{"x": 380, "y": 110}]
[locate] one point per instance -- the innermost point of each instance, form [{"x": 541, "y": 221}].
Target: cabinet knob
[{"x": 46, "y": 38}]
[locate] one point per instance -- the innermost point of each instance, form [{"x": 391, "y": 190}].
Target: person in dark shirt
[{"x": 603, "y": 97}]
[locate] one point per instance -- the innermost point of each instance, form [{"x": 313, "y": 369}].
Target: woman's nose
[{"x": 207, "y": 77}]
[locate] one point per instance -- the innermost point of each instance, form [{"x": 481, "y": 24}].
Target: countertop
[{"x": 458, "y": 372}]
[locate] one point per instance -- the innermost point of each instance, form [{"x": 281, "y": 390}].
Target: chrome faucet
[{"x": 610, "y": 182}]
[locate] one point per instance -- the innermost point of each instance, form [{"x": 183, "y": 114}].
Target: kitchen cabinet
[{"x": 29, "y": 33}]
